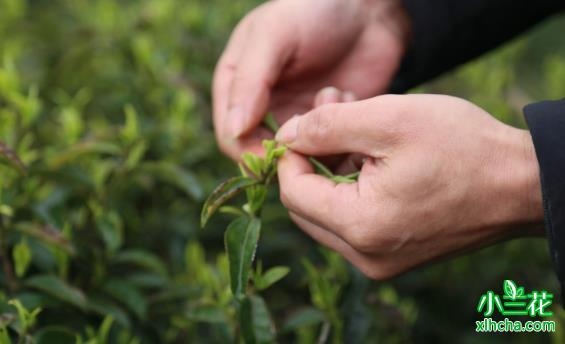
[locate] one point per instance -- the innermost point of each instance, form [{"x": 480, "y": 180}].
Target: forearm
[{"x": 447, "y": 33}]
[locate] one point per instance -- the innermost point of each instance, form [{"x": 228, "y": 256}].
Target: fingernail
[
  {"x": 236, "y": 118},
  {"x": 349, "y": 97},
  {"x": 288, "y": 132},
  {"x": 329, "y": 95}
]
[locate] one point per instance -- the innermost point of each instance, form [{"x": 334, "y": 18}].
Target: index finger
[{"x": 223, "y": 76}]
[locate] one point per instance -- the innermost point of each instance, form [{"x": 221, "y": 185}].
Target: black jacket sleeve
[
  {"x": 546, "y": 121},
  {"x": 447, "y": 33}
]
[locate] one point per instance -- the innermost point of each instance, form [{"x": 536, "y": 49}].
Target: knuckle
[{"x": 394, "y": 112}]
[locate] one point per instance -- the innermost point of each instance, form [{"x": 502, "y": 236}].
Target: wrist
[
  {"x": 531, "y": 183},
  {"x": 524, "y": 207}
]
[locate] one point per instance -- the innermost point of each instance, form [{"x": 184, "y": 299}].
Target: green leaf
[
  {"x": 307, "y": 316},
  {"x": 131, "y": 128},
  {"x": 135, "y": 155},
  {"x": 22, "y": 257},
  {"x": 54, "y": 334},
  {"x": 270, "y": 277},
  {"x": 208, "y": 313},
  {"x": 270, "y": 122},
  {"x": 147, "y": 280},
  {"x": 46, "y": 234},
  {"x": 141, "y": 258},
  {"x": 84, "y": 148},
  {"x": 4, "y": 336},
  {"x": 175, "y": 175},
  {"x": 510, "y": 289},
  {"x": 27, "y": 318},
  {"x": 127, "y": 294},
  {"x": 224, "y": 192},
  {"x": 272, "y": 153},
  {"x": 110, "y": 227},
  {"x": 343, "y": 179},
  {"x": 6, "y": 319},
  {"x": 104, "y": 306},
  {"x": 104, "y": 330},
  {"x": 57, "y": 288},
  {"x": 321, "y": 168},
  {"x": 241, "y": 239},
  {"x": 6, "y": 210},
  {"x": 256, "y": 197},
  {"x": 12, "y": 158},
  {"x": 253, "y": 163},
  {"x": 255, "y": 319}
]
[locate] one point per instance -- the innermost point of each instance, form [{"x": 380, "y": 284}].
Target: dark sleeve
[
  {"x": 546, "y": 121},
  {"x": 447, "y": 33}
]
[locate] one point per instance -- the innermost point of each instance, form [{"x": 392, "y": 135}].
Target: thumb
[
  {"x": 332, "y": 129},
  {"x": 257, "y": 72}
]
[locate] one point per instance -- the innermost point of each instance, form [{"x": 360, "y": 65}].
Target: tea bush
[{"x": 107, "y": 157}]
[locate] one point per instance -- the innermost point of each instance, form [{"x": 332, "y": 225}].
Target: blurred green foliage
[{"x": 107, "y": 154}]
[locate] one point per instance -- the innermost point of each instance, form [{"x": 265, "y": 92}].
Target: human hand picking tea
[
  {"x": 280, "y": 68},
  {"x": 441, "y": 176}
]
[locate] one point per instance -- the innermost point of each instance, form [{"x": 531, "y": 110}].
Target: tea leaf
[
  {"x": 141, "y": 258},
  {"x": 175, "y": 175},
  {"x": 27, "y": 318},
  {"x": 307, "y": 316},
  {"x": 130, "y": 131},
  {"x": 256, "y": 323},
  {"x": 254, "y": 163},
  {"x": 4, "y": 336},
  {"x": 12, "y": 158},
  {"x": 104, "y": 306},
  {"x": 343, "y": 179},
  {"x": 270, "y": 122},
  {"x": 104, "y": 330},
  {"x": 321, "y": 168},
  {"x": 223, "y": 193},
  {"x": 47, "y": 235},
  {"x": 208, "y": 313},
  {"x": 22, "y": 257},
  {"x": 127, "y": 294},
  {"x": 58, "y": 288},
  {"x": 256, "y": 197},
  {"x": 84, "y": 148},
  {"x": 241, "y": 241},
  {"x": 270, "y": 277}
]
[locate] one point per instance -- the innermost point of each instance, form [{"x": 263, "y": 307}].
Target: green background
[{"x": 107, "y": 103}]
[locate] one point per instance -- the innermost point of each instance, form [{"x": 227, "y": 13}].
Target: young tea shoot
[{"x": 241, "y": 237}]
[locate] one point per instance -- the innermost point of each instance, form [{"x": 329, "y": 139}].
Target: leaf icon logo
[{"x": 510, "y": 289}]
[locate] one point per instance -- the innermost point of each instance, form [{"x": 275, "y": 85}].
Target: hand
[
  {"x": 441, "y": 177},
  {"x": 284, "y": 51}
]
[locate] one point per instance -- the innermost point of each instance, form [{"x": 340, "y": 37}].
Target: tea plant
[
  {"x": 108, "y": 153},
  {"x": 242, "y": 236}
]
